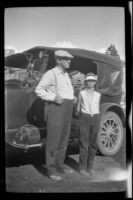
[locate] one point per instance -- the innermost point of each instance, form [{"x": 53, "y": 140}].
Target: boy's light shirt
[{"x": 89, "y": 106}]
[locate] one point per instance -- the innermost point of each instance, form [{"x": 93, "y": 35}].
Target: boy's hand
[
  {"x": 77, "y": 113},
  {"x": 75, "y": 100}
]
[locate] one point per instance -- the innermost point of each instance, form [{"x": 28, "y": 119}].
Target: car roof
[{"x": 19, "y": 59}]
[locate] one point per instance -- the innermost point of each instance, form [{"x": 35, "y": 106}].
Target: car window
[
  {"x": 109, "y": 79},
  {"x": 114, "y": 76}
]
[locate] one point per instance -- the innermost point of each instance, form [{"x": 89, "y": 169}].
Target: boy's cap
[
  {"x": 63, "y": 54},
  {"x": 91, "y": 76}
]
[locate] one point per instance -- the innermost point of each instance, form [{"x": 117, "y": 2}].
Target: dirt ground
[{"x": 27, "y": 176}]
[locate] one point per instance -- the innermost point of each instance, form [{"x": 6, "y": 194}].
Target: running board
[{"x": 26, "y": 147}]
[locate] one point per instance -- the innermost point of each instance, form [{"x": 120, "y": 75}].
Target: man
[
  {"x": 55, "y": 87},
  {"x": 88, "y": 108}
]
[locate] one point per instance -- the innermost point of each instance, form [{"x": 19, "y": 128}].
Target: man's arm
[
  {"x": 43, "y": 93},
  {"x": 41, "y": 89}
]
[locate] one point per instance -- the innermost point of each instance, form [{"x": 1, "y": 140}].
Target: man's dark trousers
[
  {"x": 88, "y": 128},
  {"x": 58, "y": 132}
]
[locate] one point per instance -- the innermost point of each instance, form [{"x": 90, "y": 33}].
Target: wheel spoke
[
  {"x": 107, "y": 142},
  {"x": 104, "y": 127},
  {"x": 104, "y": 141},
  {"x": 111, "y": 143},
  {"x": 114, "y": 137},
  {"x": 116, "y": 129},
  {"x": 114, "y": 125},
  {"x": 103, "y": 138},
  {"x": 103, "y": 133},
  {"x": 110, "y": 122},
  {"x": 116, "y": 132},
  {"x": 113, "y": 140}
]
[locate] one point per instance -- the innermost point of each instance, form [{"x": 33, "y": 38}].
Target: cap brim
[
  {"x": 90, "y": 80},
  {"x": 64, "y": 57}
]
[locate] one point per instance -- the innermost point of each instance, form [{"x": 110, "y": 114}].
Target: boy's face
[{"x": 90, "y": 84}]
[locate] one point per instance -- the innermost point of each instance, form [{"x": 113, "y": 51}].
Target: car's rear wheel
[{"x": 110, "y": 136}]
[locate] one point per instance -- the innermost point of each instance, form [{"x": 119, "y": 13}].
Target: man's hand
[{"x": 58, "y": 99}]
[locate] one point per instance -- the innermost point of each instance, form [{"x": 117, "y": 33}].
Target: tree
[{"x": 111, "y": 51}]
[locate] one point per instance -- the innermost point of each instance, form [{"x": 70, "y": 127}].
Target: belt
[{"x": 89, "y": 114}]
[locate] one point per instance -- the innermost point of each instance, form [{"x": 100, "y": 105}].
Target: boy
[{"x": 89, "y": 121}]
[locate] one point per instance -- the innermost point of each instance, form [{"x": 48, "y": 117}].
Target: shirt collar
[
  {"x": 59, "y": 71},
  {"x": 87, "y": 90}
]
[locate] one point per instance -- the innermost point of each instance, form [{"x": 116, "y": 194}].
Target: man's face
[{"x": 65, "y": 63}]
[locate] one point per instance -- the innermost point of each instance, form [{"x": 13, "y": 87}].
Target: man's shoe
[
  {"x": 64, "y": 170},
  {"x": 55, "y": 177},
  {"x": 91, "y": 171},
  {"x": 84, "y": 173},
  {"x": 68, "y": 171}
]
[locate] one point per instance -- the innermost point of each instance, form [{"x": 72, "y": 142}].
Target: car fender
[{"x": 114, "y": 108}]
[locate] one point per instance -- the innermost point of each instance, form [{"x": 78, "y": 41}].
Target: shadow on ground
[
  {"x": 37, "y": 159},
  {"x": 68, "y": 161}
]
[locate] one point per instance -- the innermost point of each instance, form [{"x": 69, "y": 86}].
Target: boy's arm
[{"x": 78, "y": 104}]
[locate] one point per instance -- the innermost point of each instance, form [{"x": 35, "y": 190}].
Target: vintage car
[{"x": 25, "y": 127}]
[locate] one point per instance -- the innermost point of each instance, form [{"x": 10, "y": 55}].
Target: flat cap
[
  {"x": 63, "y": 54},
  {"x": 91, "y": 76}
]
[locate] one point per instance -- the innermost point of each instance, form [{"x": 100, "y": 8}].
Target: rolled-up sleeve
[{"x": 42, "y": 89}]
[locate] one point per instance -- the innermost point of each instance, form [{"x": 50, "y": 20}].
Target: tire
[{"x": 110, "y": 136}]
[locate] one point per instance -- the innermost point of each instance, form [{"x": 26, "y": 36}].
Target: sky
[{"x": 92, "y": 28}]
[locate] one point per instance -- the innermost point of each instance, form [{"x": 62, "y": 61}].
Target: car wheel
[{"x": 110, "y": 136}]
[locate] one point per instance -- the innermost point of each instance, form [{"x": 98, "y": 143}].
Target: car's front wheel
[{"x": 110, "y": 136}]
